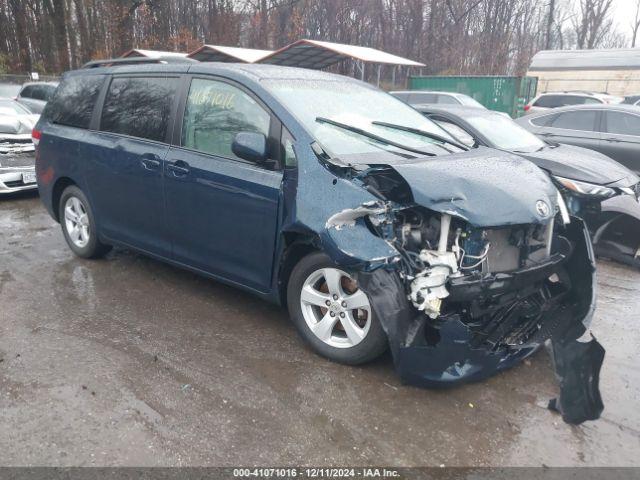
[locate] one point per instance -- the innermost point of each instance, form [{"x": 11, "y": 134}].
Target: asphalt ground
[{"x": 128, "y": 361}]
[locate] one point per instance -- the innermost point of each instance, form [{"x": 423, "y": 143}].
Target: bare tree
[
  {"x": 593, "y": 22},
  {"x": 635, "y": 25},
  {"x": 449, "y": 36}
]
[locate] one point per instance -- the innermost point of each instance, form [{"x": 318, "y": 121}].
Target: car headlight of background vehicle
[{"x": 584, "y": 188}]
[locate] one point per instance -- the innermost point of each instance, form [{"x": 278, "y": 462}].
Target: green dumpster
[{"x": 503, "y": 94}]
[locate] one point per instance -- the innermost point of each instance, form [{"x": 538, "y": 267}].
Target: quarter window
[
  {"x": 215, "y": 113},
  {"x": 139, "y": 107},
  {"x": 448, "y": 100},
  {"x": 287, "y": 141},
  {"x": 623, "y": 123},
  {"x": 73, "y": 102},
  {"x": 578, "y": 120}
]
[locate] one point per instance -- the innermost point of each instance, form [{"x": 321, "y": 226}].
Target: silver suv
[
  {"x": 548, "y": 100},
  {"x": 35, "y": 95}
]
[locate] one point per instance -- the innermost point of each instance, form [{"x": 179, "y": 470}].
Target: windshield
[
  {"x": 504, "y": 133},
  {"x": 357, "y": 105},
  {"x": 470, "y": 102},
  {"x": 10, "y": 107}
]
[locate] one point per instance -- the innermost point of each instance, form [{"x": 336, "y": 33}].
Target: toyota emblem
[{"x": 542, "y": 208}]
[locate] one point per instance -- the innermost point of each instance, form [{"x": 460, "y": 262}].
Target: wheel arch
[
  {"x": 297, "y": 246},
  {"x": 56, "y": 193}
]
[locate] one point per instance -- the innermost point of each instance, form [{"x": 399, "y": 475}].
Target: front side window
[
  {"x": 548, "y": 101},
  {"x": 583, "y": 120},
  {"x": 73, "y": 102},
  {"x": 455, "y": 131},
  {"x": 542, "y": 121},
  {"x": 139, "y": 107},
  {"x": 215, "y": 113},
  {"x": 623, "y": 123}
]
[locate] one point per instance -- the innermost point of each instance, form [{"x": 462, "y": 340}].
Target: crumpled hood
[
  {"x": 17, "y": 124},
  {"x": 579, "y": 163},
  {"x": 484, "y": 186}
]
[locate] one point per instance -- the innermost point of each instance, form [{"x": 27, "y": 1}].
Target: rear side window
[
  {"x": 139, "y": 107},
  {"x": 39, "y": 92},
  {"x": 578, "y": 120},
  {"x": 73, "y": 102},
  {"x": 623, "y": 123},
  {"x": 27, "y": 92},
  {"x": 215, "y": 113}
]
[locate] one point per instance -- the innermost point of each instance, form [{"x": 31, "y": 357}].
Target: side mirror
[{"x": 250, "y": 146}]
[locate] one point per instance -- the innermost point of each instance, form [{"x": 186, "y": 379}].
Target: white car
[
  {"x": 548, "y": 100},
  {"x": 17, "y": 151}
]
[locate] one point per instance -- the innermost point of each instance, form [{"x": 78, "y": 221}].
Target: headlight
[{"x": 585, "y": 188}]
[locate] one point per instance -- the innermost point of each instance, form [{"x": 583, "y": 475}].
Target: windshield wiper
[
  {"x": 372, "y": 136},
  {"x": 417, "y": 131}
]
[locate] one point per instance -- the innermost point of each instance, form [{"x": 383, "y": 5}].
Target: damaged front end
[{"x": 465, "y": 288}]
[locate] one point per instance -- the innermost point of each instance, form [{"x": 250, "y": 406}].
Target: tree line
[{"x": 449, "y": 36}]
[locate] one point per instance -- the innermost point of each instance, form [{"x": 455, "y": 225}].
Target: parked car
[
  {"x": 423, "y": 97},
  {"x": 35, "y": 95},
  {"x": 632, "y": 100},
  {"x": 590, "y": 181},
  {"x": 548, "y": 100},
  {"x": 327, "y": 195},
  {"x": 613, "y": 130},
  {"x": 17, "y": 152}
]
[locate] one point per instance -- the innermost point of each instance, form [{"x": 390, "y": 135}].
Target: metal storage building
[{"x": 615, "y": 71}]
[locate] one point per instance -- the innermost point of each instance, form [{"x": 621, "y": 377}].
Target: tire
[
  {"x": 75, "y": 210},
  {"x": 338, "y": 339}
]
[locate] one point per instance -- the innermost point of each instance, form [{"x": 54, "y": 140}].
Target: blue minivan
[{"x": 322, "y": 193}]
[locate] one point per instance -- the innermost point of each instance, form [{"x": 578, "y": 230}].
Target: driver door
[{"x": 222, "y": 211}]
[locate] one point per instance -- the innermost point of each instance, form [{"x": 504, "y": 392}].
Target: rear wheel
[
  {"x": 78, "y": 224},
  {"x": 332, "y": 314}
]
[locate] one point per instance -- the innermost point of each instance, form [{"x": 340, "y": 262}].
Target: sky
[{"x": 623, "y": 14}]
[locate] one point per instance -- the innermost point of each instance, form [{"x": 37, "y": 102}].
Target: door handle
[
  {"x": 179, "y": 168},
  {"x": 612, "y": 139},
  {"x": 150, "y": 161}
]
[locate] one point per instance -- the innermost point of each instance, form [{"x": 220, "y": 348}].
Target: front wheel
[
  {"x": 332, "y": 314},
  {"x": 79, "y": 225}
]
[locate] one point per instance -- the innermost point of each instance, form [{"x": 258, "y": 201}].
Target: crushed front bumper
[{"x": 494, "y": 321}]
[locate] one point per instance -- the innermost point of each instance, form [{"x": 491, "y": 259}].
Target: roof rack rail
[{"x": 136, "y": 61}]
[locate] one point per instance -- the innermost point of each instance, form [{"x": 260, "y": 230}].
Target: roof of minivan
[{"x": 253, "y": 71}]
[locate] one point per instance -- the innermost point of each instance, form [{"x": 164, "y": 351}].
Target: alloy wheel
[
  {"x": 76, "y": 222},
  {"x": 334, "y": 308}
]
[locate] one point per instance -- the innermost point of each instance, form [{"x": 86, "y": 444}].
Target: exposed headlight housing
[{"x": 584, "y": 188}]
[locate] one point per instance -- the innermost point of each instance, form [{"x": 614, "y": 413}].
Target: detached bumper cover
[{"x": 453, "y": 350}]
